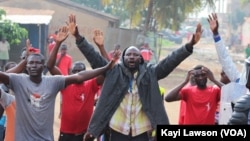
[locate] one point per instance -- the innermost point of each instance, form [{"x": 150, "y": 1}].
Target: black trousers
[
  {"x": 116, "y": 136},
  {"x": 70, "y": 137}
]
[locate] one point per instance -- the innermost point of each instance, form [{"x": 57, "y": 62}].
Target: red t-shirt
[
  {"x": 78, "y": 106},
  {"x": 182, "y": 112},
  {"x": 146, "y": 54},
  {"x": 183, "y": 109},
  {"x": 110, "y": 54},
  {"x": 200, "y": 104},
  {"x": 65, "y": 64},
  {"x": 51, "y": 46},
  {"x": 53, "y": 35}
]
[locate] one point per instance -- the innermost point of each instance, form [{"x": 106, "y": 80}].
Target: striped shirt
[{"x": 129, "y": 118}]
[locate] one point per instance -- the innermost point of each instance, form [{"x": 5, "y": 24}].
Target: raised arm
[
  {"x": 99, "y": 41},
  {"x": 174, "y": 94},
  {"x": 87, "y": 74},
  {"x": 169, "y": 63},
  {"x": 51, "y": 64},
  {"x": 4, "y": 77},
  {"x": 19, "y": 67},
  {"x": 22, "y": 64},
  {"x": 116, "y": 56},
  {"x": 6, "y": 98},
  {"x": 93, "y": 57},
  {"x": 224, "y": 57}
]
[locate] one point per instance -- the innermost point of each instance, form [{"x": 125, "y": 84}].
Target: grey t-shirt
[
  {"x": 35, "y": 105},
  {"x": 6, "y": 98}
]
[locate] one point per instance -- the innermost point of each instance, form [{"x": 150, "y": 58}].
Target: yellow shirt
[
  {"x": 129, "y": 116},
  {"x": 162, "y": 91}
]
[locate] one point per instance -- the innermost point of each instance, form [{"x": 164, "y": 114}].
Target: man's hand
[
  {"x": 73, "y": 29},
  {"x": 197, "y": 35},
  {"x": 98, "y": 38},
  {"x": 116, "y": 56},
  {"x": 213, "y": 22},
  {"x": 208, "y": 73},
  {"x": 62, "y": 34},
  {"x": 28, "y": 46},
  {"x": 88, "y": 137},
  {"x": 189, "y": 75}
]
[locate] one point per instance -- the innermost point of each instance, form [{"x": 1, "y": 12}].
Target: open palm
[
  {"x": 62, "y": 34},
  {"x": 116, "y": 55},
  {"x": 197, "y": 35},
  {"x": 72, "y": 24},
  {"x": 213, "y": 22},
  {"x": 98, "y": 38}
]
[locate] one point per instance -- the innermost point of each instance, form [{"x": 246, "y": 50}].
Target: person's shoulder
[
  {"x": 18, "y": 74},
  {"x": 68, "y": 55},
  {"x": 214, "y": 86},
  {"x": 53, "y": 76},
  {"x": 93, "y": 80},
  {"x": 89, "y": 83},
  {"x": 187, "y": 86},
  {"x": 51, "y": 45},
  {"x": 53, "y": 79}
]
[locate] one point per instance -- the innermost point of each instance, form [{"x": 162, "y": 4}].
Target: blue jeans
[{"x": 2, "y": 131}]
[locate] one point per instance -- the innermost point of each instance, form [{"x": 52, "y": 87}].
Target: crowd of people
[{"x": 130, "y": 101}]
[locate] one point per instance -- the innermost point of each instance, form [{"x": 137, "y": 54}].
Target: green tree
[
  {"x": 116, "y": 9},
  {"x": 237, "y": 18},
  {"x": 165, "y": 13},
  {"x": 150, "y": 14},
  {"x": 245, "y": 1},
  {"x": 12, "y": 31}
]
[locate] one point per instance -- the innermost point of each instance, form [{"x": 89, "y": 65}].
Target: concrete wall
[
  {"x": 87, "y": 20},
  {"x": 124, "y": 37}
]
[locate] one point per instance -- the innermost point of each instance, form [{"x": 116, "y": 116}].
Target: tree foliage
[
  {"x": 245, "y": 1},
  {"x": 237, "y": 18},
  {"x": 152, "y": 14},
  {"x": 12, "y": 31}
]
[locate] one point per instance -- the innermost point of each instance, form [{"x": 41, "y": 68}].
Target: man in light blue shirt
[{"x": 238, "y": 79}]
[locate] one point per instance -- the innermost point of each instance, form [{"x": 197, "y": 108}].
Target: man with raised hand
[
  {"x": 130, "y": 104},
  {"x": 236, "y": 88}
]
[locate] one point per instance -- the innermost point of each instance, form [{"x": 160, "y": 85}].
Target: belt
[{"x": 72, "y": 134}]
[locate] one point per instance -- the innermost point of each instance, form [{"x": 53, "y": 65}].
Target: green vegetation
[
  {"x": 149, "y": 15},
  {"x": 11, "y": 31},
  {"x": 166, "y": 43}
]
